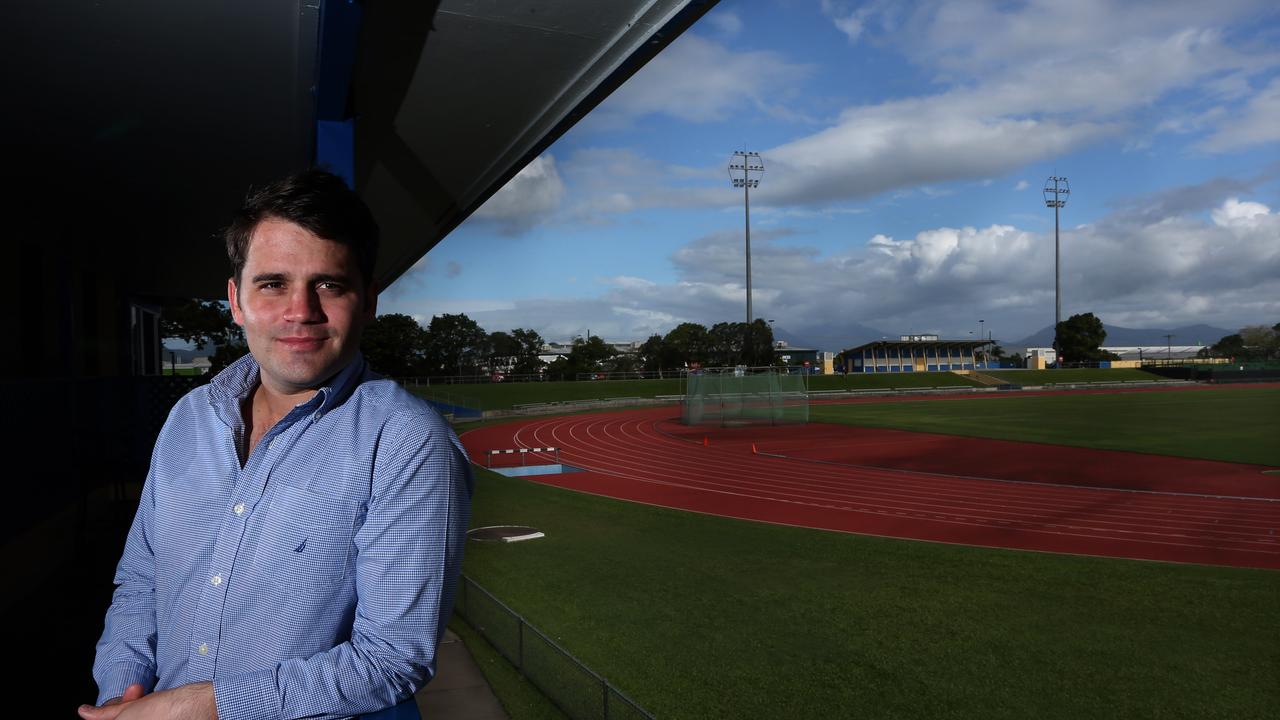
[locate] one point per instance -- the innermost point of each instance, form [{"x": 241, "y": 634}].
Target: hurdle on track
[{"x": 523, "y": 453}]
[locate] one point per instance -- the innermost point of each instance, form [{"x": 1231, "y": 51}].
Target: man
[{"x": 298, "y": 540}]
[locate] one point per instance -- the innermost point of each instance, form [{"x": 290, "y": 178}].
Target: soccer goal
[{"x": 745, "y": 396}]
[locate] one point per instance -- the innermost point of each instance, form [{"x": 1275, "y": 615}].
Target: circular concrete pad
[{"x": 504, "y": 533}]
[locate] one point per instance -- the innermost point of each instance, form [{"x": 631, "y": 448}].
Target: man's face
[{"x": 302, "y": 303}]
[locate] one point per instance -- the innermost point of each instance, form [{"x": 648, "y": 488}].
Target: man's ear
[{"x": 234, "y": 300}]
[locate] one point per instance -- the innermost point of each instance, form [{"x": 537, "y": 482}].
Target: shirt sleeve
[
  {"x": 409, "y": 554},
  {"x": 126, "y": 652}
]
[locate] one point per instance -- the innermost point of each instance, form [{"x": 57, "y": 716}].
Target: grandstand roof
[
  {"x": 152, "y": 119},
  {"x": 907, "y": 344}
]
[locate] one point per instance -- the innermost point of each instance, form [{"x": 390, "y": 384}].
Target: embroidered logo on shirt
[{"x": 301, "y": 547}]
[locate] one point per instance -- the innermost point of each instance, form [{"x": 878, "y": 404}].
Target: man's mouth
[{"x": 302, "y": 343}]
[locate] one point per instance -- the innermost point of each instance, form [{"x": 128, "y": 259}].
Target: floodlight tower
[
  {"x": 1056, "y": 191},
  {"x": 745, "y": 169}
]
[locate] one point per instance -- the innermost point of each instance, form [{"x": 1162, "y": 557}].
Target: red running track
[{"x": 644, "y": 456}]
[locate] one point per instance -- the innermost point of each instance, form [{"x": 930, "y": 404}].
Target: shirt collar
[{"x": 240, "y": 377}]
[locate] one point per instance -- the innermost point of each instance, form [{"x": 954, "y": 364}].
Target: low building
[
  {"x": 918, "y": 353},
  {"x": 815, "y": 361},
  {"x": 1129, "y": 356}
]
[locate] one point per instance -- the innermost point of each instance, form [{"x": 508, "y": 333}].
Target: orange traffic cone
[{"x": 754, "y": 451}]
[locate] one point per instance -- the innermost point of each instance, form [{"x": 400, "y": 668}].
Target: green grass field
[
  {"x": 888, "y": 381},
  {"x": 504, "y": 396},
  {"x": 1073, "y": 375},
  {"x": 696, "y": 616},
  {"x": 704, "y": 617},
  {"x": 1232, "y": 424}
]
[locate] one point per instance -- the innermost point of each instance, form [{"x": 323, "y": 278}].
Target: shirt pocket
[{"x": 306, "y": 539}]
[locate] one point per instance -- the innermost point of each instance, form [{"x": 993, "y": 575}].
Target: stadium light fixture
[
  {"x": 1056, "y": 191},
  {"x": 981, "y": 337},
  {"x": 745, "y": 169}
]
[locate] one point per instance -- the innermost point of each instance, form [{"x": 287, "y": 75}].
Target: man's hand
[
  {"x": 187, "y": 702},
  {"x": 131, "y": 693}
]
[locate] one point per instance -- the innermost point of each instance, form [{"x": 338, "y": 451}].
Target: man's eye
[
  {"x": 331, "y": 286},
  {"x": 271, "y": 285}
]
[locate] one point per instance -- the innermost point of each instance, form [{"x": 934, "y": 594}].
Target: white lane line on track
[
  {"x": 926, "y": 473},
  {"x": 574, "y": 427},
  {"x": 700, "y": 482},
  {"x": 968, "y": 494}
]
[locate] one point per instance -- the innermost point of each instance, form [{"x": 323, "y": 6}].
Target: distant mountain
[
  {"x": 187, "y": 355},
  {"x": 1131, "y": 337},
  {"x": 831, "y": 338}
]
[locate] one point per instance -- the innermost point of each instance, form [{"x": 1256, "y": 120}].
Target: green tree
[
  {"x": 735, "y": 343},
  {"x": 558, "y": 369},
  {"x": 759, "y": 347},
  {"x": 652, "y": 353},
  {"x": 205, "y": 322},
  {"x": 725, "y": 341},
  {"x": 456, "y": 345},
  {"x": 224, "y": 355},
  {"x": 1079, "y": 338},
  {"x": 530, "y": 346},
  {"x": 624, "y": 363},
  {"x": 1261, "y": 342},
  {"x": 503, "y": 350},
  {"x": 1229, "y": 346},
  {"x": 687, "y": 343},
  {"x": 395, "y": 345},
  {"x": 585, "y": 357},
  {"x": 590, "y": 355}
]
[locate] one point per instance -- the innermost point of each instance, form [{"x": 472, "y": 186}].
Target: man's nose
[{"x": 304, "y": 306}]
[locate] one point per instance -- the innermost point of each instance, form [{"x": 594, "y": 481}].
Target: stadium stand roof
[
  {"x": 134, "y": 128},
  {"x": 962, "y": 345}
]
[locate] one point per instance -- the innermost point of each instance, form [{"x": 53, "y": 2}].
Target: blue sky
[{"x": 905, "y": 145}]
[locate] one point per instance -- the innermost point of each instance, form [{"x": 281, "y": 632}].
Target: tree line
[
  {"x": 1080, "y": 338},
  {"x": 1254, "y": 343},
  {"x": 453, "y": 344},
  {"x": 398, "y": 345}
]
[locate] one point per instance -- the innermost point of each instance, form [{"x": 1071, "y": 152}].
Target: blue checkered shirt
[{"x": 315, "y": 581}]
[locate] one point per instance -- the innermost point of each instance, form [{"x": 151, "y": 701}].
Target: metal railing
[{"x": 576, "y": 689}]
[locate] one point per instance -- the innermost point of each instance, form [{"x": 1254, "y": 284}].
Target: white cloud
[
  {"x": 611, "y": 181},
  {"x": 852, "y": 19},
  {"x": 1010, "y": 95},
  {"x": 910, "y": 143},
  {"x": 423, "y": 309},
  {"x": 527, "y": 199},
  {"x": 1234, "y": 213},
  {"x": 1154, "y": 266},
  {"x": 700, "y": 80},
  {"x": 973, "y": 38},
  {"x": 1010, "y": 114},
  {"x": 1258, "y": 123},
  {"x": 724, "y": 22},
  {"x": 1022, "y": 185}
]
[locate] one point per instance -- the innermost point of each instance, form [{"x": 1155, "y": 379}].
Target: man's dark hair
[{"x": 316, "y": 200}]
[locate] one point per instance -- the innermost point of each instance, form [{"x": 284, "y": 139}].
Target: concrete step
[{"x": 981, "y": 378}]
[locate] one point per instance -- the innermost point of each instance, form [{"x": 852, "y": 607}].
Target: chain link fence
[{"x": 576, "y": 689}]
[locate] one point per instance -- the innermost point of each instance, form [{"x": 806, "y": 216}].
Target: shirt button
[
  {"x": 239, "y": 508},
  {"x": 203, "y": 649},
  {"x": 217, "y": 580}
]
